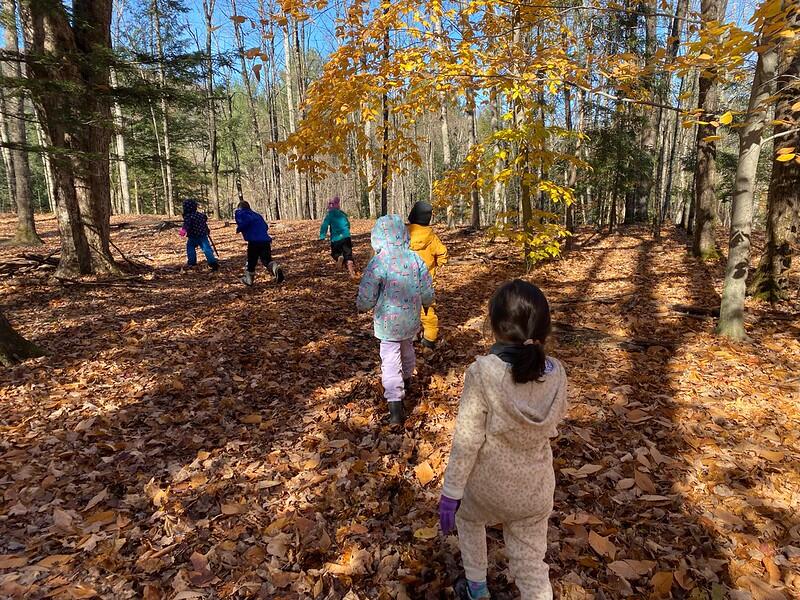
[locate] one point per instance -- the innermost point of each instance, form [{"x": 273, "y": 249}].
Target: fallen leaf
[
  {"x": 424, "y": 473},
  {"x": 662, "y": 584},
  {"x": 426, "y": 533},
  {"x": 602, "y": 545}
]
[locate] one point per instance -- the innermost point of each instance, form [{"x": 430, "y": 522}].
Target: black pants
[
  {"x": 343, "y": 248},
  {"x": 258, "y": 250}
]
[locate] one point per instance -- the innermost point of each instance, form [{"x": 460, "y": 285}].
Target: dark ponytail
[{"x": 520, "y": 316}]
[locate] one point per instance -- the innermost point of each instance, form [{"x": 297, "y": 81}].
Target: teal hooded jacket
[
  {"x": 339, "y": 224},
  {"x": 396, "y": 283}
]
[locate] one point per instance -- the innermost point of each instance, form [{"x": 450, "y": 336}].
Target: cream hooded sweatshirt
[{"x": 501, "y": 464}]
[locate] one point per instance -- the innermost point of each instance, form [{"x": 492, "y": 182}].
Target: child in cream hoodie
[{"x": 501, "y": 466}]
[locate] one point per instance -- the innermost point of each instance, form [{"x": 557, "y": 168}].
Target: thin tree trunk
[
  {"x": 444, "y": 127},
  {"x": 8, "y": 160},
  {"x": 385, "y": 127},
  {"x": 213, "y": 145},
  {"x": 704, "y": 244},
  {"x": 292, "y": 115},
  {"x": 15, "y": 104},
  {"x": 731, "y": 317},
  {"x": 475, "y": 221},
  {"x": 771, "y": 279},
  {"x": 164, "y": 178},
  {"x": 251, "y": 103},
  {"x": 162, "y": 78},
  {"x": 122, "y": 163}
]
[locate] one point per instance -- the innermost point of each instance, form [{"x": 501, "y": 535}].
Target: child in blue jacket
[
  {"x": 341, "y": 243},
  {"x": 397, "y": 285},
  {"x": 195, "y": 227},
  {"x": 255, "y": 231}
]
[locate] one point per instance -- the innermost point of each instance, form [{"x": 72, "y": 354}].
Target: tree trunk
[
  {"x": 8, "y": 161},
  {"x": 162, "y": 79},
  {"x": 475, "y": 221},
  {"x": 650, "y": 126},
  {"x": 77, "y": 124},
  {"x": 47, "y": 167},
  {"x": 385, "y": 128},
  {"x": 771, "y": 279},
  {"x": 251, "y": 103},
  {"x": 705, "y": 211},
  {"x": 272, "y": 126},
  {"x": 213, "y": 145},
  {"x": 292, "y": 115},
  {"x": 13, "y": 347},
  {"x": 444, "y": 127},
  {"x": 15, "y": 104},
  {"x": 572, "y": 168},
  {"x": 122, "y": 163},
  {"x": 731, "y": 317}
]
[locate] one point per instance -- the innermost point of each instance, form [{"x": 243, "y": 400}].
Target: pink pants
[{"x": 397, "y": 363}]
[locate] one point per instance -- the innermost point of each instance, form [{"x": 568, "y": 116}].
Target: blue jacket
[
  {"x": 336, "y": 219},
  {"x": 252, "y": 226},
  {"x": 195, "y": 223},
  {"x": 396, "y": 282}
]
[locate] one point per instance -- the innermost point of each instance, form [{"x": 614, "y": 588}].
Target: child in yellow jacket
[{"x": 431, "y": 250}]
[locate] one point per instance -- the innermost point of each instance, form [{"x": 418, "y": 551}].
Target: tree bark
[
  {"x": 771, "y": 279},
  {"x": 15, "y": 104},
  {"x": 162, "y": 78},
  {"x": 8, "y": 161},
  {"x": 444, "y": 126},
  {"x": 122, "y": 163},
  {"x": 292, "y": 115},
  {"x": 13, "y": 347},
  {"x": 731, "y": 319},
  {"x": 704, "y": 244},
  {"x": 385, "y": 128},
  {"x": 70, "y": 50},
  {"x": 475, "y": 221},
  {"x": 639, "y": 212},
  {"x": 251, "y": 103},
  {"x": 213, "y": 144}
]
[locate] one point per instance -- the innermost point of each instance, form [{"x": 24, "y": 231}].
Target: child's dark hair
[
  {"x": 520, "y": 315},
  {"x": 245, "y": 205}
]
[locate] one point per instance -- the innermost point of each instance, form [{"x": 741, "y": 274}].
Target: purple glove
[
  {"x": 447, "y": 513},
  {"x": 182, "y": 232}
]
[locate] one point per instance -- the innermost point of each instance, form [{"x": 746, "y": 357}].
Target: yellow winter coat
[{"x": 429, "y": 247}]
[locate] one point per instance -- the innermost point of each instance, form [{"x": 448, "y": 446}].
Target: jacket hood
[
  {"x": 421, "y": 213},
  {"x": 421, "y": 236},
  {"x": 389, "y": 233},
  {"x": 536, "y": 405},
  {"x": 189, "y": 206}
]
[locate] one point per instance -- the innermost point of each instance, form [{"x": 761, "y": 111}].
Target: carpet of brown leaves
[{"x": 187, "y": 437}]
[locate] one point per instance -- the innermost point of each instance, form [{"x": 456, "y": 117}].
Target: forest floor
[{"x": 187, "y": 437}]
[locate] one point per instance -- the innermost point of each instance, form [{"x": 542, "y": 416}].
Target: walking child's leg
[
  {"x": 205, "y": 246},
  {"x": 472, "y": 542},
  {"x": 191, "y": 252},
  {"x": 252, "y": 256},
  {"x": 265, "y": 254},
  {"x": 408, "y": 358},
  {"x": 392, "y": 371},
  {"x": 526, "y": 545}
]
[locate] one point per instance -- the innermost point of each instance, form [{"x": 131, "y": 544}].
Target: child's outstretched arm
[
  {"x": 469, "y": 435},
  {"x": 370, "y": 287},
  {"x": 323, "y": 230}
]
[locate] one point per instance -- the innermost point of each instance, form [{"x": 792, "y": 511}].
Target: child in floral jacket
[{"x": 397, "y": 285}]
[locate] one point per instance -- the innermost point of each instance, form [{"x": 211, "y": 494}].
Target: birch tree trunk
[{"x": 291, "y": 109}]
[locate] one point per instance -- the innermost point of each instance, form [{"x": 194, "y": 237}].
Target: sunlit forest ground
[{"x": 187, "y": 437}]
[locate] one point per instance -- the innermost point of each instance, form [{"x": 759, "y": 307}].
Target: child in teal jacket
[
  {"x": 397, "y": 285},
  {"x": 341, "y": 244}
]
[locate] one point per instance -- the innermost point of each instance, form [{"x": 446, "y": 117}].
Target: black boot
[
  {"x": 426, "y": 343},
  {"x": 397, "y": 415},
  {"x": 461, "y": 588}
]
